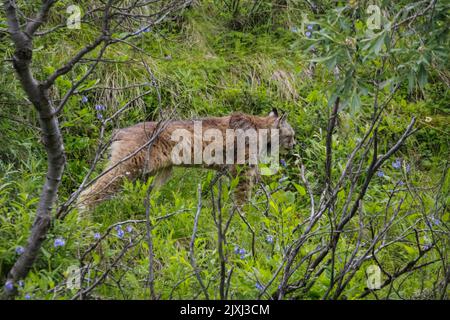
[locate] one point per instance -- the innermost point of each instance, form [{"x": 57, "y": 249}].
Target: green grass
[{"x": 206, "y": 68}]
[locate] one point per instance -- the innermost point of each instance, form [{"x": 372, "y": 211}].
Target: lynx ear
[
  {"x": 274, "y": 113},
  {"x": 283, "y": 118}
]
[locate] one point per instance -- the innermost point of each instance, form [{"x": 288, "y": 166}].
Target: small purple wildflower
[
  {"x": 259, "y": 286},
  {"x": 9, "y": 286},
  {"x": 100, "y": 107},
  {"x": 427, "y": 246},
  {"x": 240, "y": 251},
  {"x": 308, "y": 34},
  {"x": 27, "y": 296},
  {"x": 380, "y": 173},
  {"x": 97, "y": 236},
  {"x": 148, "y": 29},
  {"x": 120, "y": 232},
  {"x": 310, "y": 27},
  {"x": 84, "y": 99},
  {"x": 59, "y": 242},
  {"x": 408, "y": 168},
  {"x": 129, "y": 229},
  {"x": 401, "y": 183},
  {"x": 20, "y": 250},
  {"x": 436, "y": 221},
  {"x": 21, "y": 283},
  {"x": 397, "y": 164},
  {"x": 269, "y": 239},
  {"x": 283, "y": 163}
]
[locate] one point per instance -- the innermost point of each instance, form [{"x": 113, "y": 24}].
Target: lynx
[{"x": 128, "y": 162}]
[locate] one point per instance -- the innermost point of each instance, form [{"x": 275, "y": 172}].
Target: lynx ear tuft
[
  {"x": 282, "y": 120},
  {"x": 273, "y": 113}
]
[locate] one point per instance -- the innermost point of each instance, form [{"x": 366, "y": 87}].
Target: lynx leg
[
  {"x": 247, "y": 178},
  {"x": 162, "y": 176}
]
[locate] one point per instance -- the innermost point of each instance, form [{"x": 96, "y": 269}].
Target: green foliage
[{"x": 218, "y": 58}]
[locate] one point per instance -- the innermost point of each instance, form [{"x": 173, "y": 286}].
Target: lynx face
[{"x": 286, "y": 134}]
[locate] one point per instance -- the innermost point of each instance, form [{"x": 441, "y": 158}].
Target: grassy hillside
[{"x": 210, "y": 61}]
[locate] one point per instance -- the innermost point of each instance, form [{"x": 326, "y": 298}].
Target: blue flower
[
  {"x": 259, "y": 286},
  {"x": 283, "y": 163},
  {"x": 397, "y": 164},
  {"x": 408, "y": 168},
  {"x": 310, "y": 27},
  {"x": 380, "y": 173},
  {"x": 21, "y": 283},
  {"x": 240, "y": 251},
  {"x": 401, "y": 183},
  {"x": 120, "y": 232},
  {"x": 436, "y": 221},
  {"x": 59, "y": 242},
  {"x": 100, "y": 107},
  {"x": 84, "y": 99},
  {"x": 9, "y": 285},
  {"x": 27, "y": 296},
  {"x": 269, "y": 239},
  {"x": 308, "y": 34},
  {"x": 20, "y": 250},
  {"x": 129, "y": 229},
  {"x": 97, "y": 236},
  {"x": 147, "y": 29}
]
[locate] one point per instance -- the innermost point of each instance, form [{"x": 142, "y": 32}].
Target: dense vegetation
[{"x": 317, "y": 60}]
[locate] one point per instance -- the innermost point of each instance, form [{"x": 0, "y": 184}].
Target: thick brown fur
[{"x": 157, "y": 159}]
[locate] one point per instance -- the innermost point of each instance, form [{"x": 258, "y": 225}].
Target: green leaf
[
  {"x": 422, "y": 76},
  {"x": 411, "y": 81},
  {"x": 378, "y": 44},
  {"x": 301, "y": 190},
  {"x": 411, "y": 251}
]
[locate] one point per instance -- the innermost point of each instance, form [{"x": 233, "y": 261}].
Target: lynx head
[{"x": 286, "y": 132}]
